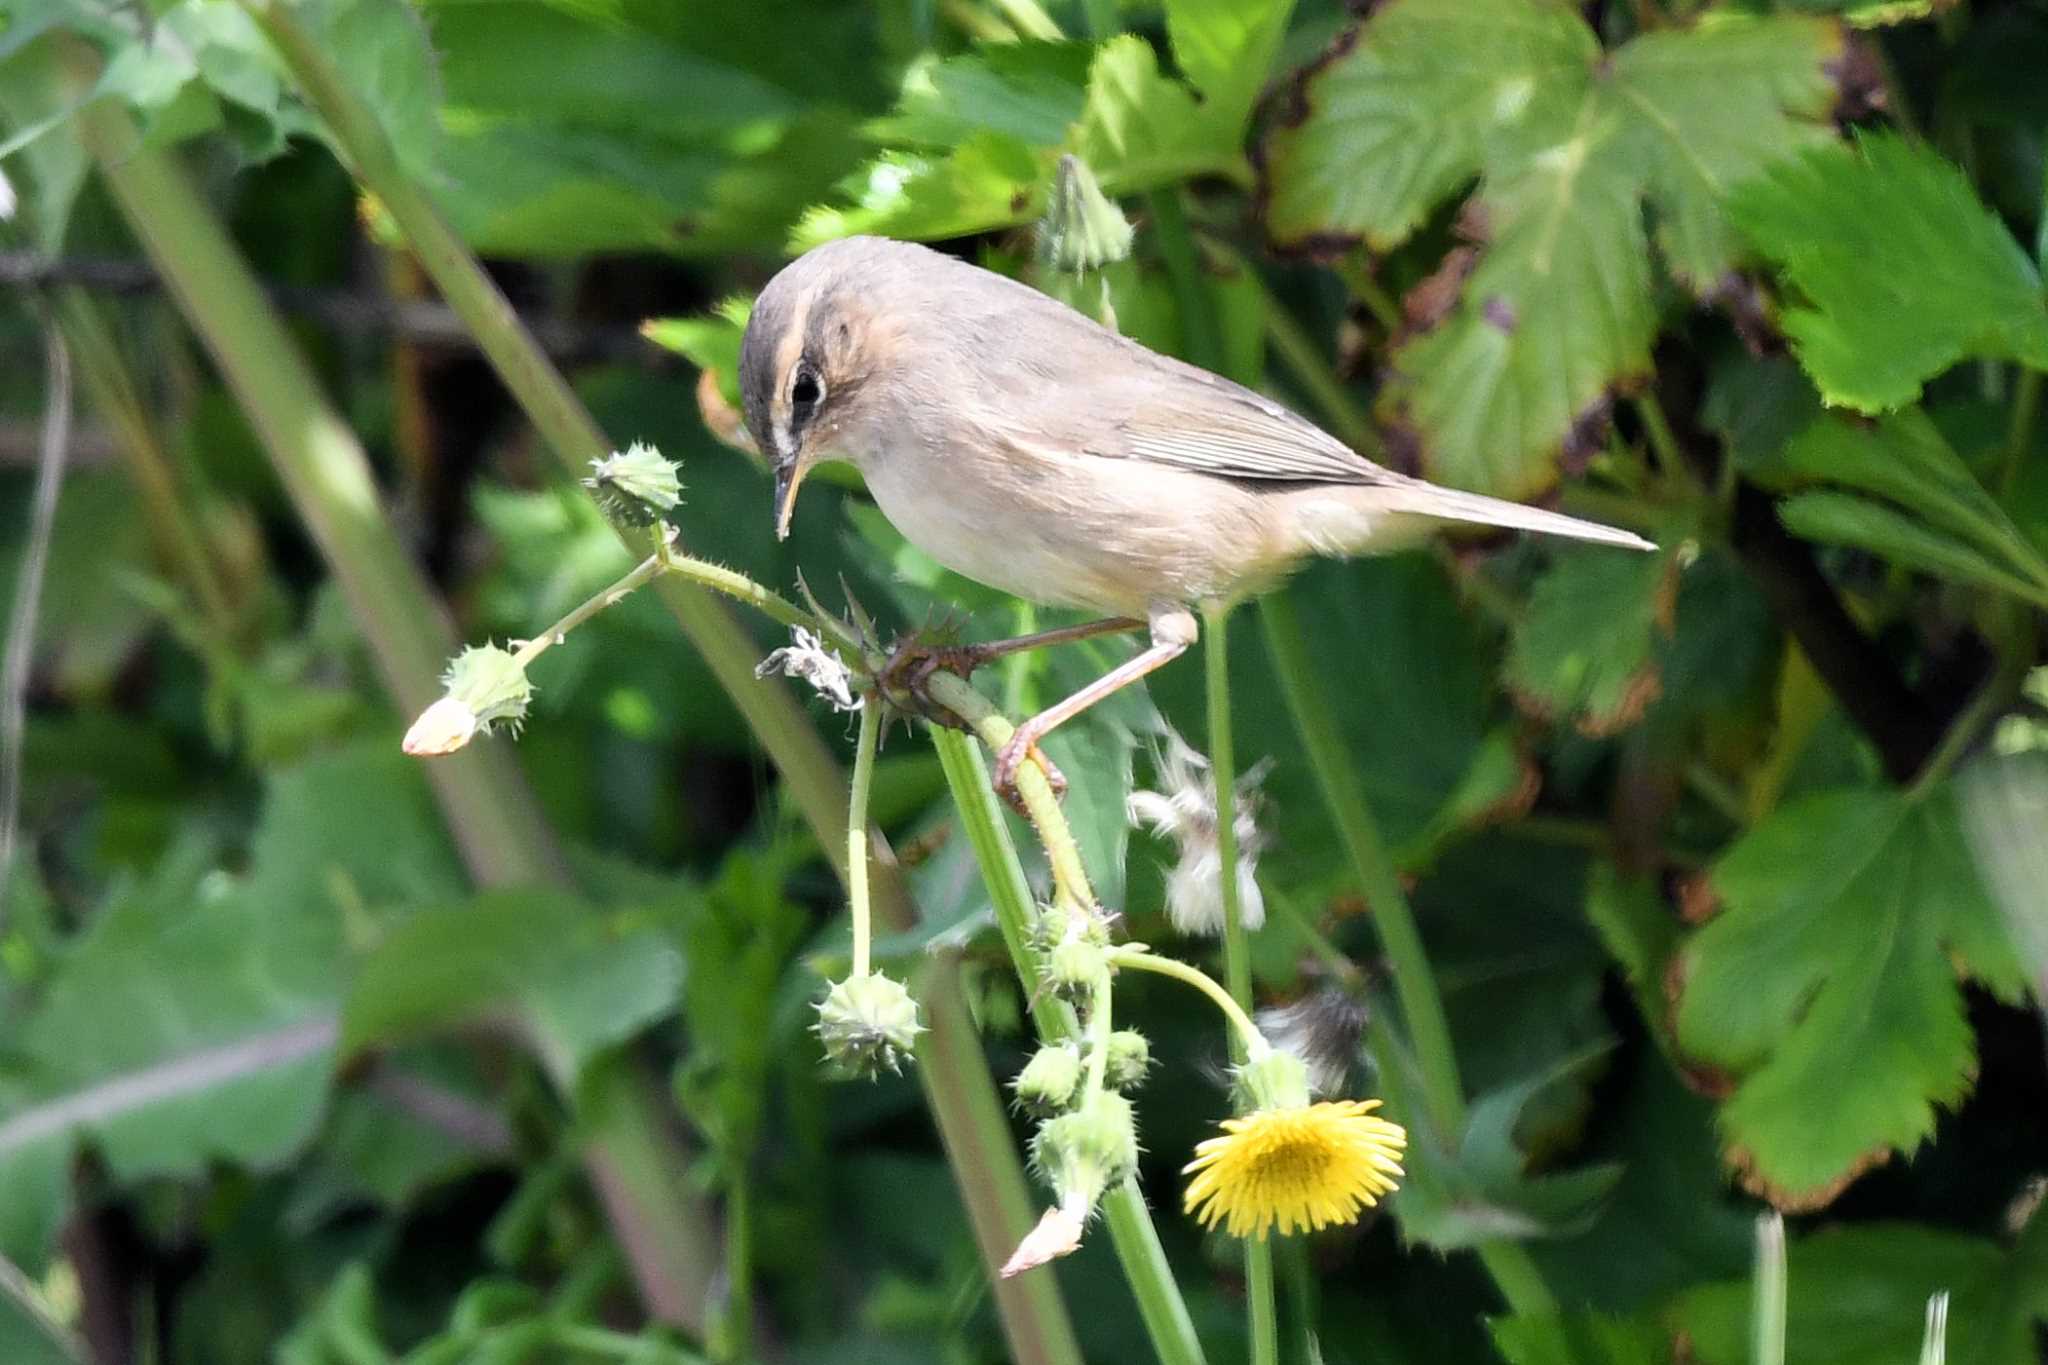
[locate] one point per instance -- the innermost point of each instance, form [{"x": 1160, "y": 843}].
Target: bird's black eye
[{"x": 804, "y": 391}]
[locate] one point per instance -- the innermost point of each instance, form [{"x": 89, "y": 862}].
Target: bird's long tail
[{"x": 1450, "y": 504}]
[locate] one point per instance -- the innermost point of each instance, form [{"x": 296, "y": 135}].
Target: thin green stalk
[
  {"x": 1422, "y": 1007},
  {"x": 115, "y": 394},
  {"x": 954, "y": 1072},
  {"x": 1237, "y": 957},
  {"x": 636, "y": 1164},
  {"x": 2019, "y": 434},
  {"x": 1245, "y": 1039},
  {"x": 1201, "y": 333},
  {"x": 1767, "y": 1302},
  {"x": 857, "y": 830},
  {"x": 1160, "y": 1305}
]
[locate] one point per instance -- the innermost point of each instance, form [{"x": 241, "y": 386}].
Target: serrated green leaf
[
  {"x": 1903, "y": 271},
  {"x": 982, "y": 131},
  {"x": 1567, "y": 143},
  {"x": 540, "y": 962},
  {"x": 1030, "y": 91},
  {"x": 1858, "y": 1294},
  {"x": 1829, "y": 983},
  {"x": 1585, "y": 646}
]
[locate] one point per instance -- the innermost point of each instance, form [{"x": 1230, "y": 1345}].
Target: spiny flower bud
[
  {"x": 868, "y": 1023},
  {"x": 1130, "y": 1057},
  {"x": 1082, "y": 228},
  {"x": 1046, "y": 1084},
  {"x": 1084, "y": 1152},
  {"x": 637, "y": 488},
  {"x": 1075, "y": 968},
  {"x": 485, "y": 686},
  {"x": 1274, "y": 1080}
]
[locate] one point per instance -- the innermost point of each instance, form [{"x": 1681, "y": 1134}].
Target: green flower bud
[
  {"x": 485, "y": 686},
  {"x": 1082, "y": 229},
  {"x": 1274, "y": 1080},
  {"x": 1130, "y": 1057},
  {"x": 868, "y": 1023},
  {"x": 1075, "y": 968},
  {"x": 1046, "y": 1084},
  {"x": 1084, "y": 1152},
  {"x": 637, "y": 488}
]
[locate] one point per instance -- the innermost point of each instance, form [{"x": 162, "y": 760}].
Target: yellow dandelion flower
[{"x": 1297, "y": 1167}]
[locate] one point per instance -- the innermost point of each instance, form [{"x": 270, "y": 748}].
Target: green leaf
[
  {"x": 223, "y": 1044},
  {"x": 1903, "y": 271},
  {"x": 1831, "y": 970},
  {"x": 1859, "y": 1294},
  {"x": 1586, "y": 644},
  {"x": 1935, "y": 516},
  {"x": 1477, "y": 1191},
  {"x": 980, "y": 132},
  {"x": 566, "y": 133},
  {"x": 550, "y": 966},
  {"x": 1580, "y": 1339},
  {"x": 1567, "y": 143}
]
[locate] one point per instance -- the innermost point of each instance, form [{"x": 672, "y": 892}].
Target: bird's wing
[{"x": 1175, "y": 414}]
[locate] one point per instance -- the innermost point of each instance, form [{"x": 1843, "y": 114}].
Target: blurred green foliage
[{"x": 1721, "y": 855}]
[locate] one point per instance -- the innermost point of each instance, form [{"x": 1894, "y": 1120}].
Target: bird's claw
[
  {"x": 1022, "y": 745},
  {"x": 912, "y": 662}
]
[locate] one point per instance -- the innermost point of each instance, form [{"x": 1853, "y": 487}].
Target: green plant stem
[
  {"x": 812, "y": 778},
  {"x": 1767, "y": 1303},
  {"x": 644, "y": 572},
  {"x": 1422, "y": 1007},
  {"x": 1237, "y": 957},
  {"x": 636, "y": 1163},
  {"x": 1201, "y": 333},
  {"x": 952, "y": 1069},
  {"x": 1245, "y": 1039},
  {"x": 115, "y": 394},
  {"x": 857, "y": 831},
  {"x": 1160, "y": 1305},
  {"x": 2019, "y": 434}
]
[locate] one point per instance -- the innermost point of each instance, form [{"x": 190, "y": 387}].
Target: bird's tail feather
[{"x": 1450, "y": 504}]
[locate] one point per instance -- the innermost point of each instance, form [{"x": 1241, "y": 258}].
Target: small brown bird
[{"x": 1020, "y": 443}]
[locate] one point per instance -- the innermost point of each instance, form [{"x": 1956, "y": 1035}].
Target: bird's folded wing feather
[{"x": 1201, "y": 422}]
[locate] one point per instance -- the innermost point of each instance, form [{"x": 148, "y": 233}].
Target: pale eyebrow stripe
[{"x": 786, "y": 352}]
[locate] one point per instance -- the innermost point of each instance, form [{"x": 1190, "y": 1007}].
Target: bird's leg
[
  {"x": 1173, "y": 630},
  {"x": 913, "y": 661}
]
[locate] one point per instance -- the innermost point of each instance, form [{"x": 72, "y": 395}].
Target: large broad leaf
[
  {"x": 979, "y": 133},
  {"x": 1923, "y": 509},
  {"x": 1828, "y": 984},
  {"x": 582, "y": 131},
  {"x": 1586, "y": 645},
  {"x": 1903, "y": 271},
  {"x": 1859, "y": 1294},
  {"x": 1567, "y": 143},
  {"x": 538, "y": 962},
  {"x": 224, "y": 1036}
]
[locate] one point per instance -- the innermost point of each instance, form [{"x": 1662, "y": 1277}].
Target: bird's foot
[
  {"x": 912, "y": 662},
  {"x": 1023, "y": 745}
]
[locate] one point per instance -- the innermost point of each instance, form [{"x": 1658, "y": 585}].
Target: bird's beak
[{"x": 787, "y": 477}]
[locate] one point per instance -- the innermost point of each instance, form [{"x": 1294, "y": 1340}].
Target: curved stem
[{"x": 1253, "y": 1043}]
